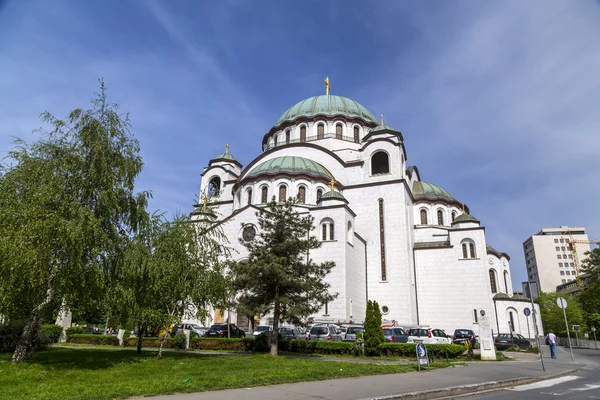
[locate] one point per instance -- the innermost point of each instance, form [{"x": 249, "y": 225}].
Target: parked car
[
  {"x": 324, "y": 332},
  {"x": 428, "y": 335},
  {"x": 505, "y": 341},
  {"x": 395, "y": 335},
  {"x": 262, "y": 329},
  {"x": 290, "y": 333},
  {"x": 197, "y": 329},
  {"x": 462, "y": 335},
  {"x": 220, "y": 331},
  {"x": 351, "y": 331}
]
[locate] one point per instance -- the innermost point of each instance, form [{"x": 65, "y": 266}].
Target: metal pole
[
  {"x": 537, "y": 334},
  {"x": 595, "y": 342},
  {"x": 576, "y": 338},
  {"x": 568, "y": 334},
  {"x": 528, "y": 331}
]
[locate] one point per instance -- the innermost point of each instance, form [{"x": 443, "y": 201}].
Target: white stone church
[{"x": 394, "y": 238}]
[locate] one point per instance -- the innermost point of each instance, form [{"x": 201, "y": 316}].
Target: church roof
[
  {"x": 383, "y": 128},
  {"x": 225, "y": 156},
  {"x": 501, "y": 295},
  {"x": 292, "y": 165},
  {"x": 429, "y": 191},
  {"x": 465, "y": 218},
  {"x": 332, "y": 195},
  {"x": 328, "y": 105},
  {"x": 491, "y": 250}
]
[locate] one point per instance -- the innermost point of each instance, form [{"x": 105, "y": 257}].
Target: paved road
[{"x": 578, "y": 386}]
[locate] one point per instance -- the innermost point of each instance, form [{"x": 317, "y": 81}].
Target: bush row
[
  {"x": 316, "y": 346},
  {"x": 222, "y": 344},
  {"x": 53, "y": 332},
  {"x": 10, "y": 334},
  {"x": 408, "y": 350},
  {"x": 93, "y": 339},
  {"x": 150, "y": 342}
]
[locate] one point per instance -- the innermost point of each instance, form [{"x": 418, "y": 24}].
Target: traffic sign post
[
  {"x": 527, "y": 313},
  {"x": 576, "y": 329},
  {"x": 535, "y": 325},
  {"x": 562, "y": 303},
  {"x": 595, "y": 342},
  {"x": 422, "y": 358}
]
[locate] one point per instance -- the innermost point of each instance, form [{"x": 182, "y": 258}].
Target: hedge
[
  {"x": 316, "y": 346},
  {"x": 245, "y": 344},
  {"x": 409, "y": 350},
  {"x": 75, "y": 330},
  {"x": 93, "y": 339},
  {"x": 53, "y": 331},
  {"x": 150, "y": 342}
]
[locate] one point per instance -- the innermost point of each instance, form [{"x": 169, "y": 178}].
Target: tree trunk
[
  {"x": 275, "y": 333},
  {"x": 140, "y": 335},
  {"x": 162, "y": 342},
  {"x": 106, "y": 325}
]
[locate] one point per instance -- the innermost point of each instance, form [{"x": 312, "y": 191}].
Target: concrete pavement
[{"x": 424, "y": 385}]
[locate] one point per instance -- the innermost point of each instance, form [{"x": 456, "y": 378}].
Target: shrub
[
  {"x": 53, "y": 332},
  {"x": 261, "y": 343},
  {"x": 373, "y": 334},
  {"x": 409, "y": 350},
  {"x": 76, "y": 330},
  {"x": 180, "y": 340},
  {"x": 93, "y": 339},
  {"x": 150, "y": 342},
  {"x": 11, "y": 332},
  {"x": 316, "y": 347},
  {"x": 359, "y": 345},
  {"x": 245, "y": 344},
  {"x": 499, "y": 356}
]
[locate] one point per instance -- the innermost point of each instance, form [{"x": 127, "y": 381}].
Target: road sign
[
  {"x": 593, "y": 329},
  {"x": 562, "y": 303},
  {"x": 422, "y": 358},
  {"x": 527, "y": 312},
  {"x": 576, "y": 328}
]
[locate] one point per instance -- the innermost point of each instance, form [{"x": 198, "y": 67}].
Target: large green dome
[
  {"x": 429, "y": 191},
  {"x": 328, "y": 105},
  {"x": 291, "y": 165}
]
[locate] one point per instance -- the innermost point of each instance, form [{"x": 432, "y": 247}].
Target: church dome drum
[
  {"x": 290, "y": 165},
  {"x": 327, "y": 105}
]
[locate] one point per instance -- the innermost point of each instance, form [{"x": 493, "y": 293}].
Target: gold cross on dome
[
  {"x": 226, "y": 149},
  {"x": 381, "y": 116},
  {"x": 463, "y": 204},
  {"x": 332, "y": 183},
  {"x": 327, "y": 87}
]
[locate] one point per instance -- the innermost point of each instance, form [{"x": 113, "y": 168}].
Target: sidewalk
[{"x": 405, "y": 386}]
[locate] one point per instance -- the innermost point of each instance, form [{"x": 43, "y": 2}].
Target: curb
[{"x": 468, "y": 389}]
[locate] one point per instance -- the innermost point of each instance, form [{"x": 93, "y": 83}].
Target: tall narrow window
[
  {"x": 303, "y": 133},
  {"x": 331, "y": 231},
  {"x": 512, "y": 322},
  {"x": 326, "y": 308},
  {"x": 320, "y": 131},
  {"x": 249, "y": 195},
  {"x": 319, "y": 194},
  {"x": 324, "y": 233},
  {"x": 214, "y": 186},
  {"x": 264, "y": 194},
  {"x": 275, "y": 140},
  {"x": 493, "y": 281},
  {"x": 287, "y": 136},
  {"x": 453, "y": 215},
  {"x": 464, "y": 249},
  {"x": 380, "y": 163},
  {"x": 338, "y": 131},
  {"x": 302, "y": 194},
  {"x": 440, "y": 216},
  {"x": 472, "y": 248},
  {"x": 356, "y": 135},
  {"x": 382, "y": 241},
  {"x": 424, "y": 217},
  {"x": 506, "y": 282},
  {"x": 282, "y": 194},
  {"x": 475, "y": 315}
]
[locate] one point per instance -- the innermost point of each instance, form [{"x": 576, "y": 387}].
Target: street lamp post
[{"x": 537, "y": 334}]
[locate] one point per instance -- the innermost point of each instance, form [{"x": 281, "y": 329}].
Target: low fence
[{"x": 577, "y": 342}]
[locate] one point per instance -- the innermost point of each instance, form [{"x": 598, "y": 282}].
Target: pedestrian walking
[{"x": 551, "y": 341}]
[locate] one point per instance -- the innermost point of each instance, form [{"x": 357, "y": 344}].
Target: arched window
[
  {"x": 303, "y": 133},
  {"x": 275, "y": 140},
  {"x": 440, "y": 217},
  {"x": 282, "y": 194},
  {"x": 350, "y": 233},
  {"x": 320, "y": 131},
  {"x": 327, "y": 230},
  {"x": 423, "y": 217},
  {"x": 319, "y": 194},
  {"x": 453, "y": 215},
  {"x": 324, "y": 233},
  {"x": 380, "y": 163},
  {"x": 468, "y": 249},
  {"x": 302, "y": 194},
  {"x": 287, "y": 136},
  {"x": 214, "y": 186},
  {"x": 331, "y": 231},
  {"x": 356, "y": 135},
  {"x": 493, "y": 283},
  {"x": 465, "y": 250},
  {"x": 506, "y": 281},
  {"x": 338, "y": 131},
  {"x": 472, "y": 250},
  {"x": 264, "y": 194},
  {"x": 249, "y": 196}
]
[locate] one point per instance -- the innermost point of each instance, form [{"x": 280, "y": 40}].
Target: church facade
[{"x": 394, "y": 238}]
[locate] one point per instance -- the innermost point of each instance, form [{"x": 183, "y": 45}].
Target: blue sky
[{"x": 498, "y": 101}]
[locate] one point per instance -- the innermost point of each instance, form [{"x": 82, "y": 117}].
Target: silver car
[
  {"x": 324, "y": 332},
  {"x": 351, "y": 331}
]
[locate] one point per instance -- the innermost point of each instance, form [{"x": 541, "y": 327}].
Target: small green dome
[
  {"x": 501, "y": 296},
  {"x": 331, "y": 195},
  {"x": 429, "y": 191},
  {"x": 328, "y": 105},
  {"x": 465, "y": 218},
  {"x": 383, "y": 128},
  {"x": 291, "y": 165},
  {"x": 225, "y": 156},
  {"x": 519, "y": 297}
]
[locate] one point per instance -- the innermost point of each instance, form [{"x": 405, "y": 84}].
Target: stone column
[
  {"x": 186, "y": 332},
  {"x": 120, "y": 336},
  {"x": 63, "y": 320},
  {"x": 488, "y": 351}
]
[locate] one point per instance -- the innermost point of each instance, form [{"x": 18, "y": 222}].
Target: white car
[
  {"x": 262, "y": 329},
  {"x": 428, "y": 336}
]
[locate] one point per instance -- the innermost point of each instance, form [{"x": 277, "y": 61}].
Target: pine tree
[{"x": 373, "y": 331}]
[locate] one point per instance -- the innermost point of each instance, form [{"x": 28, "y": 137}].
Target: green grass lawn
[{"x": 60, "y": 373}]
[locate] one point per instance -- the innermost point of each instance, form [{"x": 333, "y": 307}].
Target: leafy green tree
[
  {"x": 373, "y": 334},
  {"x": 590, "y": 296},
  {"x": 277, "y": 275},
  {"x": 66, "y": 202},
  {"x": 552, "y": 315}
]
